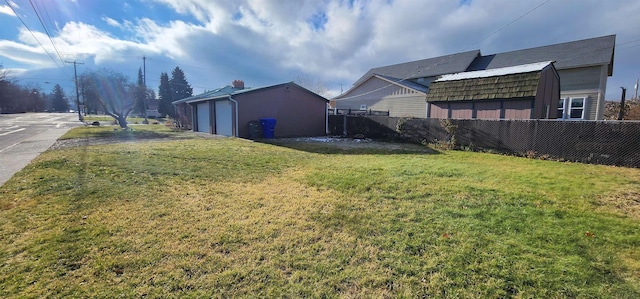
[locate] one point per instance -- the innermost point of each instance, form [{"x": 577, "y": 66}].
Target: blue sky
[{"x": 269, "y": 42}]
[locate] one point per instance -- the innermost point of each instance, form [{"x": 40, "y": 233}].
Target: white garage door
[
  {"x": 224, "y": 118},
  {"x": 203, "y": 117}
]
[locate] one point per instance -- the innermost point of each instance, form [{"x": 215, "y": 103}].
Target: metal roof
[
  {"x": 581, "y": 53},
  {"x": 227, "y": 91},
  {"x": 429, "y": 67},
  {"x": 525, "y": 68},
  {"x": 222, "y": 91}
]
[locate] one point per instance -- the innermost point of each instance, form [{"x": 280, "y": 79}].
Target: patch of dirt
[
  {"x": 626, "y": 203},
  {"x": 353, "y": 143}
]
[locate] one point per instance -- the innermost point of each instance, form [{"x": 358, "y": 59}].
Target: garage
[
  {"x": 230, "y": 110},
  {"x": 202, "y": 115},
  {"x": 224, "y": 118}
]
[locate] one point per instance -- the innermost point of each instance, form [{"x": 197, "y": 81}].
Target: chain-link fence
[{"x": 599, "y": 142}]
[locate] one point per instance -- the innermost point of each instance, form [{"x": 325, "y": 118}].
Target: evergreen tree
[
  {"x": 179, "y": 85},
  {"x": 59, "y": 102},
  {"x": 165, "y": 94}
]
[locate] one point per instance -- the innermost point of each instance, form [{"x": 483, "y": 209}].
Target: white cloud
[
  {"x": 266, "y": 42},
  {"x": 4, "y": 9},
  {"x": 111, "y": 22}
]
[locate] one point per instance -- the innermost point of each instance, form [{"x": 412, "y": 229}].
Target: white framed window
[
  {"x": 363, "y": 107},
  {"x": 576, "y": 108},
  {"x": 571, "y": 108},
  {"x": 561, "y": 108}
]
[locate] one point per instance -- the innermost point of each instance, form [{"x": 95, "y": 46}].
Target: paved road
[{"x": 24, "y": 136}]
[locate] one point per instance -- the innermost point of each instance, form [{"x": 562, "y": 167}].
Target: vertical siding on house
[
  {"x": 439, "y": 110},
  {"x": 517, "y": 109},
  {"x": 488, "y": 110},
  {"x": 547, "y": 95},
  {"x": 461, "y": 110}
]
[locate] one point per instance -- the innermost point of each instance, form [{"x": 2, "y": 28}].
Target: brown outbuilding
[
  {"x": 530, "y": 91},
  {"x": 232, "y": 110}
]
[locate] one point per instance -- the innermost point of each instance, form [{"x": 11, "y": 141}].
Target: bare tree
[
  {"x": 113, "y": 92},
  {"x": 314, "y": 84}
]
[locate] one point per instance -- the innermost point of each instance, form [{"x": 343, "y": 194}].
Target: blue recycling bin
[{"x": 268, "y": 127}]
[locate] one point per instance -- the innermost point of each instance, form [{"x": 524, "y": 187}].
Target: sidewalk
[{"x": 14, "y": 158}]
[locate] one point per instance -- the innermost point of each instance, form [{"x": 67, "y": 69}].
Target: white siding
[
  {"x": 378, "y": 94},
  {"x": 589, "y": 82}
]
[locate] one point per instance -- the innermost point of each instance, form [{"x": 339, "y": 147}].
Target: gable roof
[
  {"x": 429, "y": 67},
  {"x": 405, "y": 83},
  {"x": 504, "y": 83},
  {"x": 392, "y": 81},
  {"x": 581, "y": 53},
  {"x": 227, "y": 91}
]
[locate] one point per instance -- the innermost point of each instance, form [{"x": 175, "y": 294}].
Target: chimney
[{"x": 239, "y": 84}]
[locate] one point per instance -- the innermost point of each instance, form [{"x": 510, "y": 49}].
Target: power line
[
  {"x": 45, "y": 29},
  {"x": 447, "y": 58},
  {"x": 34, "y": 36},
  {"x": 508, "y": 24}
]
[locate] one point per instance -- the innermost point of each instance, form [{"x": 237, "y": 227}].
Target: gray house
[
  {"x": 583, "y": 67},
  {"x": 401, "y": 88},
  {"x": 228, "y": 110}
]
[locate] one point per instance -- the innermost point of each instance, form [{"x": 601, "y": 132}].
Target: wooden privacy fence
[{"x": 598, "y": 142}]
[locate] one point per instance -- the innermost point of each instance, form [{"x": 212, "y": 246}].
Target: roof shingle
[{"x": 429, "y": 67}]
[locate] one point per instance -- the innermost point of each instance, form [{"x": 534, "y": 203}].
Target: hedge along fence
[{"x": 598, "y": 142}]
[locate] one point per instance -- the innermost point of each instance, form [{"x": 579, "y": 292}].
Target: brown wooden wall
[
  {"x": 508, "y": 109},
  {"x": 298, "y": 112},
  {"x": 488, "y": 110},
  {"x": 547, "y": 95}
]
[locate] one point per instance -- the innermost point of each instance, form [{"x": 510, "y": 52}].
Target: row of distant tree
[
  {"x": 15, "y": 98},
  {"x": 100, "y": 91}
]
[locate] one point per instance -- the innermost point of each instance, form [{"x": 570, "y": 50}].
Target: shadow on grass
[
  {"x": 348, "y": 146},
  {"x": 116, "y": 133},
  {"x": 133, "y": 134}
]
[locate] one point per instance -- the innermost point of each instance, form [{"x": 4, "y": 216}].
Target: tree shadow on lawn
[{"x": 349, "y": 146}]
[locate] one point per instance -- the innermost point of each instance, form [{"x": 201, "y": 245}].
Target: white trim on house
[{"x": 567, "y": 106}]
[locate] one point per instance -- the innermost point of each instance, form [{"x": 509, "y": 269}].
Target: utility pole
[
  {"x": 144, "y": 85},
  {"x": 636, "y": 97},
  {"x": 144, "y": 72},
  {"x": 621, "y": 113},
  {"x": 75, "y": 72}
]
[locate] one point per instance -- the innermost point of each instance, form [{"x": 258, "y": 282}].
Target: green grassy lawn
[
  {"x": 133, "y": 133},
  {"x": 106, "y": 119},
  {"x": 234, "y": 218}
]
